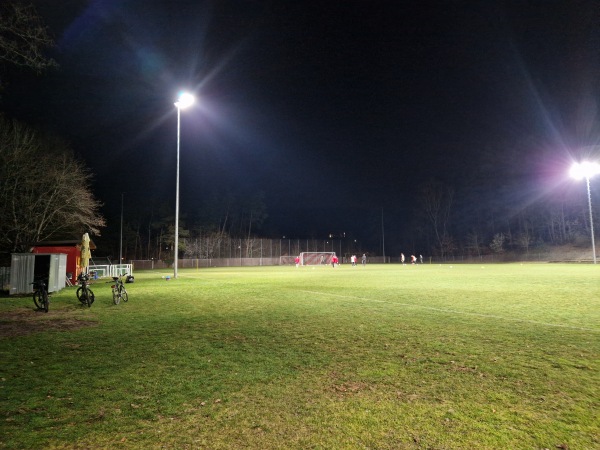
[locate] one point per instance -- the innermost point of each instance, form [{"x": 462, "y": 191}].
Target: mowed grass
[{"x": 375, "y": 357}]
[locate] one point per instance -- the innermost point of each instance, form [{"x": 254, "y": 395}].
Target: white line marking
[{"x": 453, "y": 311}]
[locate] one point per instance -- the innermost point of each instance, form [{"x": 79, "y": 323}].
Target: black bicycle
[
  {"x": 40, "y": 295},
  {"x": 118, "y": 290},
  {"x": 84, "y": 293}
]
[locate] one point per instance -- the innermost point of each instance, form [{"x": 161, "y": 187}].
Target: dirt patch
[
  {"x": 345, "y": 388},
  {"x": 28, "y": 321}
]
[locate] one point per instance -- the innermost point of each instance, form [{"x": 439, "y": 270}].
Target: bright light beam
[{"x": 587, "y": 170}]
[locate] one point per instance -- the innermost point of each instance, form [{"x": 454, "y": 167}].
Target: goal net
[{"x": 315, "y": 258}]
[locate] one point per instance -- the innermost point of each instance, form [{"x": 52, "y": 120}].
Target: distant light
[
  {"x": 585, "y": 169},
  {"x": 185, "y": 100}
]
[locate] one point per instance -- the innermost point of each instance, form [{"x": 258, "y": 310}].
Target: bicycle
[
  {"x": 40, "y": 295},
  {"x": 84, "y": 293},
  {"x": 118, "y": 290}
]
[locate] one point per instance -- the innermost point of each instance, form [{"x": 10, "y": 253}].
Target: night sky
[{"x": 337, "y": 111}]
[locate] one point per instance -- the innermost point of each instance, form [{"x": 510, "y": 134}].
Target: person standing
[
  {"x": 364, "y": 259},
  {"x": 334, "y": 260},
  {"x": 421, "y": 258},
  {"x": 297, "y": 260},
  {"x": 402, "y": 258}
]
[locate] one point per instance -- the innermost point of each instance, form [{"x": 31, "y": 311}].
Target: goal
[{"x": 315, "y": 258}]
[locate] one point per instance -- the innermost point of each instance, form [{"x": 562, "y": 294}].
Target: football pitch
[{"x": 375, "y": 357}]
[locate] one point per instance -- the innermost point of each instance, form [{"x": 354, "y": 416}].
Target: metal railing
[{"x": 110, "y": 270}]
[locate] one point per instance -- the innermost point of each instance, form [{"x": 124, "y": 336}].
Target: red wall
[{"x": 73, "y": 256}]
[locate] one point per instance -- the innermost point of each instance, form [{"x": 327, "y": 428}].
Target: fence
[
  {"x": 550, "y": 255},
  {"x": 219, "y": 247},
  {"x": 197, "y": 263},
  {"x": 111, "y": 270},
  {"x": 253, "y": 251}
]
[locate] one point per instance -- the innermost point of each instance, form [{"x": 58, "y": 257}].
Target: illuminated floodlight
[
  {"x": 587, "y": 170},
  {"x": 185, "y": 100}
]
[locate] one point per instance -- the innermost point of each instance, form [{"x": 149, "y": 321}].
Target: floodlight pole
[
  {"x": 587, "y": 179},
  {"x": 587, "y": 170},
  {"x": 121, "y": 237},
  {"x": 176, "y": 254},
  {"x": 184, "y": 101}
]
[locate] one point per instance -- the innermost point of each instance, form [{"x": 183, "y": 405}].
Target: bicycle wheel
[
  {"x": 80, "y": 295},
  {"x": 46, "y": 301},
  {"x": 116, "y": 296},
  {"x": 37, "y": 299},
  {"x": 124, "y": 294},
  {"x": 90, "y": 297}
]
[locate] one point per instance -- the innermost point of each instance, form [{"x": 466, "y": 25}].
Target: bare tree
[
  {"x": 525, "y": 239},
  {"x": 436, "y": 200},
  {"x": 206, "y": 245},
  {"x": 24, "y": 37},
  {"x": 44, "y": 192},
  {"x": 497, "y": 244}
]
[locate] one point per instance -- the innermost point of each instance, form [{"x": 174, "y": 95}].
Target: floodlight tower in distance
[
  {"x": 185, "y": 100},
  {"x": 587, "y": 170}
]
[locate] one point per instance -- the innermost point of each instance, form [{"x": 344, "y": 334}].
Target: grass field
[{"x": 380, "y": 357}]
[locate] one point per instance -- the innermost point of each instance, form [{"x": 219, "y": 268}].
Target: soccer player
[
  {"x": 297, "y": 261},
  {"x": 334, "y": 260}
]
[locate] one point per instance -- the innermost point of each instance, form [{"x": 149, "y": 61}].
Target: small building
[
  {"x": 25, "y": 268},
  {"x": 71, "y": 248}
]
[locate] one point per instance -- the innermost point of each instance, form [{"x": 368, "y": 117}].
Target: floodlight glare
[
  {"x": 587, "y": 170},
  {"x": 185, "y": 100}
]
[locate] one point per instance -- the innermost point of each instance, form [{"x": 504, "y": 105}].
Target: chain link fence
[{"x": 218, "y": 251}]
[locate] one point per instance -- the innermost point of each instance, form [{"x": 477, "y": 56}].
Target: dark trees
[{"x": 44, "y": 192}]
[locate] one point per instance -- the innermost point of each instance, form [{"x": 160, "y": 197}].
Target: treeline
[
  {"x": 148, "y": 232},
  {"x": 445, "y": 223},
  {"x": 514, "y": 199}
]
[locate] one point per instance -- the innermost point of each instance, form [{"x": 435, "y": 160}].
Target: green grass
[{"x": 382, "y": 357}]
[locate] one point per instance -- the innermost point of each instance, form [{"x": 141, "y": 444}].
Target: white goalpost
[{"x": 315, "y": 258}]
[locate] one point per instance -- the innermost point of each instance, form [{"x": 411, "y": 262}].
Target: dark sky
[{"x": 337, "y": 111}]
